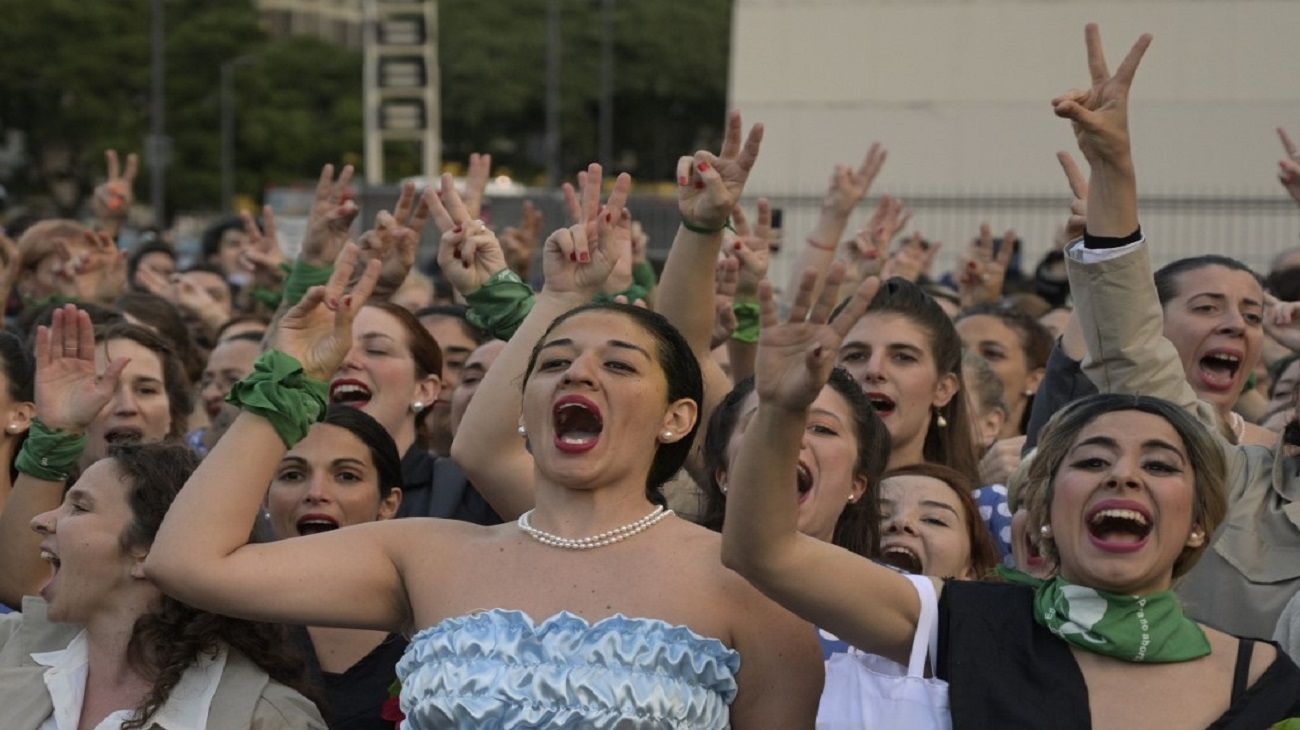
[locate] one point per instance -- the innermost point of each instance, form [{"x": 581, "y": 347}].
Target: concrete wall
[{"x": 959, "y": 90}]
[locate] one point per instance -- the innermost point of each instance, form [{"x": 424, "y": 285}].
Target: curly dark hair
[{"x": 166, "y": 641}]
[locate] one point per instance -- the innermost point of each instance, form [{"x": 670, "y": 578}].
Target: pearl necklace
[
  {"x": 1238, "y": 426},
  {"x": 609, "y": 537}
]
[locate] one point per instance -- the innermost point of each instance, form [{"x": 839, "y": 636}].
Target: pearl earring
[
  {"x": 939, "y": 420},
  {"x": 667, "y": 435},
  {"x": 1045, "y": 531},
  {"x": 522, "y": 431},
  {"x": 417, "y": 406}
]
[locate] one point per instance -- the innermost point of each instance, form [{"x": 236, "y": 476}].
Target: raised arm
[
  {"x": 69, "y": 394},
  {"x": 1288, "y": 172},
  {"x": 576, "y": 262},
  {"x": 846, "y": 188},
  {"x": 201, "y": 556},
  {"x": 870, "y": 606},
  {"x": 111, "y": 202}
]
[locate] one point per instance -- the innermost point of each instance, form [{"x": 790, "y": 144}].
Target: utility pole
[
  {"x": 552, "y": 144},
  {"x": 157, "y": 146},
  {"x": 606, "y": 123}
]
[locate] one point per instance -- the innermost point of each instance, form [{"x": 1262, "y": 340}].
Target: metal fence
[{"x": 1250, "y": 227}]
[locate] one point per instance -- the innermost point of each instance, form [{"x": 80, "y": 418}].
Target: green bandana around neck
[{"x": 1150, "y": 629}]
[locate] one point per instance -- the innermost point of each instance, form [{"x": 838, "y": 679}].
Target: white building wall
[{"x": 959, "y": 91}]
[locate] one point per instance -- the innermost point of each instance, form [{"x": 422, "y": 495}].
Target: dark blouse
[{"x": 1004, "y": 670}]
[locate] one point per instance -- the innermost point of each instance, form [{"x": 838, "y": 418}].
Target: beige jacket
[
  {"x": 246, "y": 697},
  {"x": 1252, "y": 567}
]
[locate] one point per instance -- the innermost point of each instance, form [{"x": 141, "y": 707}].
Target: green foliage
[
  {"x": 74, "y": 79},
  {"x": 670, "y": 80}
]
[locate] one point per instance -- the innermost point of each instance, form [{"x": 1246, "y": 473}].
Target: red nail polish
[
  {"x": 704, "y": 167},
  {"x": 682, "y": 181},
  {"x": 609, "y": 217},
  {"x": 348, "y": 300},
  {"x": 737, "y": 245},
  {"x": 584, "y": 257}
]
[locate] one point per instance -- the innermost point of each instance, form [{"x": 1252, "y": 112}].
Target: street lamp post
[{"x": 228, "y": 128}]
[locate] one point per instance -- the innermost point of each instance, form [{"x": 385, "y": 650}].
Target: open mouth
[
  {"x": 883, "y": 404},
  {"x": 352, "y": 393},
  {"x": 577, "y": 424},
  {"x": 1119, "y": 526},
  {"x": 803, "y": 481},
  {"x": 51, "y": 558},
  {"x": 313, "y": 524},
  {"x": 1218, "y": 369},
  {"x": 123, "y": 435},
  {"x": 901, "y": 557},
  {"x": 1033, "y": 556}
]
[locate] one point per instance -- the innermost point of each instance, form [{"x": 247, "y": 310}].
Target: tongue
[
  {"x": 578, "y": 436},
  {"x": 1120, "y": 536},
  {"x": 1216, "y": 373}
]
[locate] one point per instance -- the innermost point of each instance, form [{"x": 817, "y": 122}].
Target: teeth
[
  {"x": 1226, "y": 357},
  {"x": 50, "y": 558},
  {"x": 899, "y": 549},
  {"x": 575, "y": 439},
  {"x": 1120, "y": 514},
  {"x": 349, "y": 389}
]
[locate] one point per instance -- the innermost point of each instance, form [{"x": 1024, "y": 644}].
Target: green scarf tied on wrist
[
  {"x": 500, "y": 305},
  {"x": 747, "y": 313},
  {"x": 1148, "y": 629},
  {"x": 632, "y": 294},
  {"x": 48, "y": 453},
  {"x": 279, "y": 391},
  {"x": 303, "y": 276}
]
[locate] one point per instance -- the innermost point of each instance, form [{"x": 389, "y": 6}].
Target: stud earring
[
  {"x": 522, "y": 431},
  {"x": 939, "y": 420},
  {"x": 1196, "y": 539},
  {"x": 667, "y": 435},
  {"x": 12, "y": 428},
  {"x": 417, "y": 406},
  {"x": 1045, "y": 531}
]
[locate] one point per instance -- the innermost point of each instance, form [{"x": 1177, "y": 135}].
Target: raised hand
[
  {"x": 476, "y": 180},
  {"x": 95, "y": 273},
  {"x": 1289, "y": 167},
  {"x": 468, "y": 252},
  {"x": 1282, "y": 322},
  {"x": 750, "y": 247},
  {"x": 317, "y": 331},
  {"x": 912, "y": 260},
  {"x": 1001, "y": 460},
  {"x": 330, "y": 219},
  {"x": 70, "y": 391},
  {"x": 263, "y": 257},
  {"x": 795, "y": 357},
  {"x": 848, "y": 186},
  {"x": 708, "y": 185},
  {"x": 724, "y": 299},
  {"x": 579, "y": 259},
  {"x": 588, "y": 208},
  {"x": 984, "y": 267},
  {"x": 11, "y": 266},
  {"x": 521, "y": 242},
  {"x": 395, "y": 239},
  {"x": 112, "y": 199},
  {"x": 1100, "y": 113},
  {"x": 1077, "y": 223}
]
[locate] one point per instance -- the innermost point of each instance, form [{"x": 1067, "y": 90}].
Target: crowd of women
[{"x": 323, "y": 492}]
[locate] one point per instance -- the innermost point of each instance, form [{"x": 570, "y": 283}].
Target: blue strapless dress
[{"x": 497, "y": 669}]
